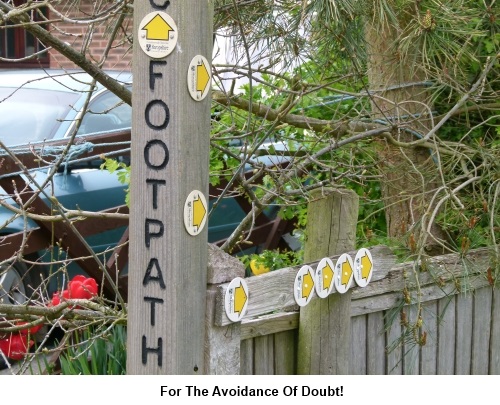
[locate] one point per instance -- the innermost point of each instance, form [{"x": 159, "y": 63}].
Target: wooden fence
[
  {"x": 437, "y": 316},
  {"x": 459, "y": 309}
]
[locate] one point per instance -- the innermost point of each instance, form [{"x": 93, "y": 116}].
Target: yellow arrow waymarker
[
  {"x": 199, "y": 212},
  {"x": 307, "y": 285},
  {"x": 327, "y": 277},
  {"x": 366, "y": 268},
  {"x": 195, "y": 212},
  {"x": 240, "y": 298},
  {"x": 203, "y": 77},
  {"x": 236, "y": 299},
  {"x": 346, "y": 272},
  {"x": 363, "y": 267},
  {"x": 198, "y": 78},
  {"x": 157, "y": 29}
]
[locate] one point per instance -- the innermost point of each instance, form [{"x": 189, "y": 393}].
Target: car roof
[{"x": 66, "y": 80}]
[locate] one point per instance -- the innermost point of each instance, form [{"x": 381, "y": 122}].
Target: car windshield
[{"x": 31, "y": 115}]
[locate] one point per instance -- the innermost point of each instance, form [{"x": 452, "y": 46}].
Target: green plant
[
  {"x": 96, "y": 352},
  {"x": 122, "y": 171}
]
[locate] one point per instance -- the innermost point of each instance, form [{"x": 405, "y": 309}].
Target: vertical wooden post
[
  {"x": 325, "y": 324},
  {"x": 169, "y": 186},
  {"x": 222, "y": 343}
]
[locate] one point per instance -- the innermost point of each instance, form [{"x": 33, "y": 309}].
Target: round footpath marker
[
  {"x": 344, "y": 273},
  {"x": 157, "y": 34},
  {"x": 304, "y": 285},
  {"x": 199, "y": 77},
  {"x": 195, "y": 212},
  {"x": 236, "y": 299},
  {"x": 363, "y": 267},
  {"x": 325, "y": 277}
]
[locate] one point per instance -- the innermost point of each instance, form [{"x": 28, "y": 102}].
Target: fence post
[
  {"x": 325, "y": 324},
  {"x": 173, "y": 44},
  {"x": 222, "y": 343}
]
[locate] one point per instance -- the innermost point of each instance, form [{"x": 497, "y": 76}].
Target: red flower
[
  {"x": 16, "y": 346},
  {"x": 56, "y": 297},
  {"x": 26, "y": 331},
  {"x": 82, "y": 288}
]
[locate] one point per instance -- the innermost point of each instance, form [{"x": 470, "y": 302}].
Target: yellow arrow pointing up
[
  {"x": 327, "y": 277},
  {"x": 346, "y": 272},
  {"x": 199, "y": 212},
  {"x": 307, "y": 285},
  {"x": 240, "y": 298},
  {"x": 366, "y": 266},
  {"x": 157, "y": 28},
  {"x": 202, "y": 77}
]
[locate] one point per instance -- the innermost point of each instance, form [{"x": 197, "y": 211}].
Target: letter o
[
  {"x": 147, "y": 154},
  {"x": 288, "y": 391},
  {"x": 147, "y": 114}
]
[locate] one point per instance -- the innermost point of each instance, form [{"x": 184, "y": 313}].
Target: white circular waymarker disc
[
  {"x": 236, "y": 299},
  {"x": 344, "y": 273},
  {"x": 363, "y": 267},
  {"x": 195, "y": 212},
  {"x": 157, "y": 34},
  {"x": 303, "y": 287},
  {"x": 199, "y": 77},
  {"x": 325, "y": 278}
]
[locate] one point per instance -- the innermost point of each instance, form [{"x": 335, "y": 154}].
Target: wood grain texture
[
  {"x": 429, "y": 351},
  {"x": 446, "y": 336},
  {"x": 273, "y": 292},
  {"x": 463, "y": 331},
  {"x": 359, "y": 339},
  {"x": 481, "y": 331},
  {"x": 170, "y": 146},
  {"x": 222, "y": 343},
  {"x": 324, "y": 345},
  {"x": 375, "y": 347},
  {"x": 285, "y": 352},
  {"x": 495, "y": 334}
]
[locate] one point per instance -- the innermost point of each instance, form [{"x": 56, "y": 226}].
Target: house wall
[{"x": 75, "y": 31}]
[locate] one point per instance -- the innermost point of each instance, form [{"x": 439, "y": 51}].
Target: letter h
[{"x": 158, "y": 350}]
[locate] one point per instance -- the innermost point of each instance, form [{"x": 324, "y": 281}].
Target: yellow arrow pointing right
[
  {"x": 202, "y": 77},
  {"x": 307, "y": 285},
  {"x": 327, "y": 277},
  {"x": 366, "y": 266},
  {"x": 240, "y": 298},
  {"x": 199, "y": 212},
  {"x": 346, "y": 272}
]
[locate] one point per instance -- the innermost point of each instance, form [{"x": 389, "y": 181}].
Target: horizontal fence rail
[{"x": 460, "y": 312}]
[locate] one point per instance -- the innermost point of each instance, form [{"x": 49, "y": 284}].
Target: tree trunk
[{"x": 410, "y": 176}]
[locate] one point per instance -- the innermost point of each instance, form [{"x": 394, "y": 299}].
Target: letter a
[{"x": 159, "y": 277}]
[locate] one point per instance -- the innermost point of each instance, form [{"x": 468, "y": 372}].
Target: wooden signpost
[{"x": 169, "y": 186}]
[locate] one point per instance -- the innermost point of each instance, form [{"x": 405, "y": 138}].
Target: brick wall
[{"x": 77, "y": 35}]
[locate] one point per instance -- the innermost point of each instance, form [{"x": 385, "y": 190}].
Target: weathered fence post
[
  {"x": 169, "y": 186},
  {"x": 222, "y": 343},
  {"x": 325, "y": 324}
]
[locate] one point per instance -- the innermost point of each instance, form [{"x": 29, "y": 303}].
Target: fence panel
[
  {"x": 429, "y": 351},
  {"x": 446, "y": 336},
  {"x": 495, "y": 334},
  {"x": 481, "y": 331},
  {"x": 459, "y": 331},
  {"x": 376, "y": 359}
]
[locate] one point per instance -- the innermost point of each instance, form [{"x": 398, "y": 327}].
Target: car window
[
  {"x": 106, "y": 113},
  {"x": 31, "y": 115}
]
